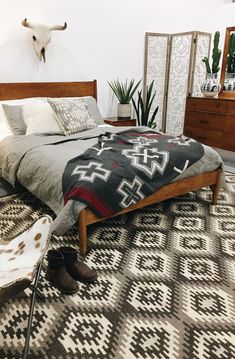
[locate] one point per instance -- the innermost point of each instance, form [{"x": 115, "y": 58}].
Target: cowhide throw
[{"x": 20, "y": 256}]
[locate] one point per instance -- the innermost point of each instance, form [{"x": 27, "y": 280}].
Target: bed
[{"x": 210, "y": 175}]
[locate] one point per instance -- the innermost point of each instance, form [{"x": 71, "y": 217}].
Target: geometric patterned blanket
[
  {"x": 165, "y": 287},
  {"x": 121, "y": 169}
]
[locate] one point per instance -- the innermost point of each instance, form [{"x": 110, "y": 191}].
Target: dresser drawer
[
  {"x": 210, "y": 121},
  {"x": 231, "y": 107},
  {"x": 206, "y": 104},
  {"x": 228, "y": 142},
  {"x": 229, "y": 125},
  {"x": 210, "y": 138}
]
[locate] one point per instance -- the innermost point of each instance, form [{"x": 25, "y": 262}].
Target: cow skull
[{"x": 41, "y": 35}]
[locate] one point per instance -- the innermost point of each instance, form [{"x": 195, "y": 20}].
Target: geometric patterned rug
[{"x": 165, "y": 288}]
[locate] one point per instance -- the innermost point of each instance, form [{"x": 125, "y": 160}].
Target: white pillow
[
  {"x": 23, "y": 101},
  {"x": 4, "y": 125},
  {"x": 4, "y": 134},
  {"x": 40, "y": 119}
]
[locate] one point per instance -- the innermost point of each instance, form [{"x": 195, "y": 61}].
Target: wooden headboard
[{"x": 13, "y": 91}]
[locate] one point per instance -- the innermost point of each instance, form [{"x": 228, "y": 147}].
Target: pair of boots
[{"x": 64, "y": 270}]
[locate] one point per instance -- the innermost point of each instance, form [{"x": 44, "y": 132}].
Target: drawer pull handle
[{"x": 203, "y": 121}]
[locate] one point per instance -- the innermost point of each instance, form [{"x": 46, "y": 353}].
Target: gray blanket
[{"x": 38, "y": 162}]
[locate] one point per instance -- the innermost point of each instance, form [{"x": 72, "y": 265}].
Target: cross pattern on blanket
[
  {"x": 123, "y": 168},
  {"x": 91, "y": 171},
  {"x": 147, "y": 159},
  {"x": 144, "y": 141},
  {"x": 130, "y": 191},
  {"x": 182, "y": 140}
]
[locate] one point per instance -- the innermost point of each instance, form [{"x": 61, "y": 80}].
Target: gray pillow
[
  {"x": 72, "y": 115},
  {"x": 14, "y": 115},
  {"x": 94, "y": 110}
]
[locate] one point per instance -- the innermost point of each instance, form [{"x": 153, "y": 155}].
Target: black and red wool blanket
[{"x": 125, "y": 167}]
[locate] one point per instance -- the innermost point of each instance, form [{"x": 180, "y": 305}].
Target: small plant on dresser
[
  {"x": 211, "y": 87},
  {"x": 229, "y": 82}
]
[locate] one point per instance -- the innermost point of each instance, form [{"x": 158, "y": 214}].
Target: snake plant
[
  {"x": 124, "y": 91},
  {"x": 143, "y": 106}
]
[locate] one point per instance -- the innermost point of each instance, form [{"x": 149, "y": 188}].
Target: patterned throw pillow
[{"x": 72, "y": 115}]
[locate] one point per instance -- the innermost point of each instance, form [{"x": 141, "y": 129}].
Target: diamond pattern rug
[{"x": 165, "y": 289}]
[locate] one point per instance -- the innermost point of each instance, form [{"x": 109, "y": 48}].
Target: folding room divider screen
[{"x": 174, "y": 62}]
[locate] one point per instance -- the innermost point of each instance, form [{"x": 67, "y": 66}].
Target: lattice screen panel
[
  {"x": 202, "y": 49},
  {"x": 175, "y": 64},
  {"x": 181, "y": 48},
  {"x": 156, "y": 54}
]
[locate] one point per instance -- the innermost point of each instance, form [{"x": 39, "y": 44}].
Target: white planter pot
[
  {"x": 124, "y": 111},
  {"x": 211, "y": 86},
  {"x": 229, "y": 82}
]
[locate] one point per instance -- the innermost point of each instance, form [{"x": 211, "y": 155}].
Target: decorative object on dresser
[
  {"x": 164, "y": 56},
  {"x": 211, "y": 86},
  {"x": 231, "y": 54},
  {"x": 211, "y": 121},
  {"x": 229, "y": 82},
  {"x": 114, "y": 121},
  {"x": 124, "y": 93},
  {"x": 41, "y": 35},
  {"x": 145, "y": 112},
  {"x": 227, "y": 78}
]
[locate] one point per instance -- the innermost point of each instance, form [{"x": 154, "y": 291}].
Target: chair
[{"x": 20, "y": 264}]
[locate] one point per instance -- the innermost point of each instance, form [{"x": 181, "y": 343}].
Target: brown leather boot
[
  {"x": 77, "y": 269},
  {"x": 57, "y": 273}
]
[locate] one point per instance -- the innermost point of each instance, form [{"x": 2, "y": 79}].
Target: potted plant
[
  {"x": 124, "y": 93},
  {"x": 229, "y": 83},
  {"x": 143, "y": 107},
  {"x": 211, "y": 87},
  {"x": 231, "y": 54}
]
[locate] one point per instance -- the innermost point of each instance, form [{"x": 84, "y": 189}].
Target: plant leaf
[{"x": 124, "y": 91}]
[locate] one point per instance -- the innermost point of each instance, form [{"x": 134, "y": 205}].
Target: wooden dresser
[{"x": 211, "y": 121}]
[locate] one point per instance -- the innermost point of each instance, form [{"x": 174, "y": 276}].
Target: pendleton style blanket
[{"x": 126, "y": 167}]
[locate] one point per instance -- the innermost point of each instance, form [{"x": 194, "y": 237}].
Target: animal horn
[
  {"x": 27, "y": 24},
  {"x": 59, "y": 27}
]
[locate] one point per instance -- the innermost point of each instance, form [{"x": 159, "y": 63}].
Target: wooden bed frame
[{"x": 10, "y": 91}]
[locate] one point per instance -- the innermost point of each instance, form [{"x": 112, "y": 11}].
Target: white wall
[{"x": 104, "y": 38}]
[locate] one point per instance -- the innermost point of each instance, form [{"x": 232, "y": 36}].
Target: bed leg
[
  {"x": 82, "y": 232},
  {"x": 216, "y": 188}
]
